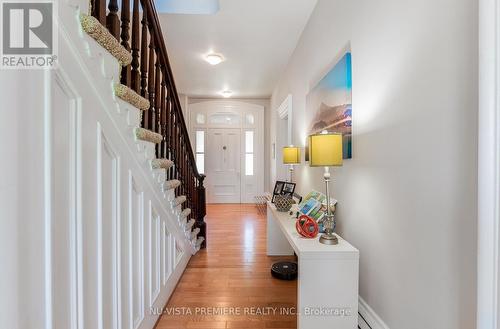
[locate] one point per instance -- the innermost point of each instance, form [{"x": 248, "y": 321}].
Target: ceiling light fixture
[
  {"x": 226, "y": 93},
  {"x": 214, "y": 59}
]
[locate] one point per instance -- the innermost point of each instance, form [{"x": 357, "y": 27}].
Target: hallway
[{"x": 232, "y": 275}]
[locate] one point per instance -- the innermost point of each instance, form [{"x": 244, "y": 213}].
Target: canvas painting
[{"x": 331, "y": 101}]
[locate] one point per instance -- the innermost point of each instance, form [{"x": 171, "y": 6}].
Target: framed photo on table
[
  {"x": 297, "y": 197},
  {"x": 278, "y": 187},
  {"x": 283, "y": 188},
  {"x": 288, "y": 189}
]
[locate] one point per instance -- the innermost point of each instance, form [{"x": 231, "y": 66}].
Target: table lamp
[
  {"x": 287, "y": 270},
  {"x": 291, "y": 156},
  {"x": 325, "y": 150}
]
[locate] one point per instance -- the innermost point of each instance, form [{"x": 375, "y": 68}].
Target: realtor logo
[{"x": 28, "y": 34}]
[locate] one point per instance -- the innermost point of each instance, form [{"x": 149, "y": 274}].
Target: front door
[{"x": 223, "y": 166}]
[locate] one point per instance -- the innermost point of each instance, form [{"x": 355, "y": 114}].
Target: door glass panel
[
  {"x": 250, "y": 119},
  {"x": 200, "y": 162},
  {"x": 200, "y": 151},
  {"x": 229, "y": 119},
  {"x": 200, "y": 141},
  {"x": 249, "y": 152},
  {"x": 200, "y": 119},
  {"x": 249, "y": 141},
  {"x": 249, "y": 164}
]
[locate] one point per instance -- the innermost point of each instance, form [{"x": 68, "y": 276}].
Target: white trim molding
[
  {"x": 285, "y": 109},
  {"x": 488, "y": 275},
  {"x": 285, "y": 112},
  {"x": 368, "y": 319}
]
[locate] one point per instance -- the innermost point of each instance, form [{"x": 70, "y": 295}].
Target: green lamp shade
[
  {"x": 291, "y": 155},
  {"x": 325, "y": 150}
]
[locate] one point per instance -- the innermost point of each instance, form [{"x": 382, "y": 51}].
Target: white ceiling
[{"x": 256, "y": 37}]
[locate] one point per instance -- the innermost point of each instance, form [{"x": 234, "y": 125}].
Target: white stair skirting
[{"x": 102, "y": 244}]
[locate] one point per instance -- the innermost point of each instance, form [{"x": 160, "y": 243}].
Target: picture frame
[
  {"x": 283, "y": 188},
  {"x": 297, "y": 197},
  {"x": 330, "y": 100},
  {"x": 278, "y": 188},
  {"x": 288, "y": 189}
]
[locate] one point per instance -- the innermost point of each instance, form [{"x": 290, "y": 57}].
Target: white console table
[{"x": 328, "y": 275}]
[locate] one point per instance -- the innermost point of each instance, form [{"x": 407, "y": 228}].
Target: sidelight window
[
  {"x": 249, "y": 153},
  {"x": 200, "y": 151}
]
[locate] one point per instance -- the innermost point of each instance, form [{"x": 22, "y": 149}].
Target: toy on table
[{"x": 307, "y": 227}]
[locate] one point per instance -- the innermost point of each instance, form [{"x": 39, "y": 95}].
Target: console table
[{"x": 327, "y": 286}]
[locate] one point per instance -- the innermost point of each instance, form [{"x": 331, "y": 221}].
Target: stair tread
[
  {"x": 186, "y": 212},
  {"x": 171, "y": 184},
  {"x": 131, "y": 97},
  {"x": 161, "y": 163},
  {"x": 190, "y": 224},
  {"x": 147, "y": 135},
  {"x": 102, "y": 36},
  {"x": 179, "y": 200}
]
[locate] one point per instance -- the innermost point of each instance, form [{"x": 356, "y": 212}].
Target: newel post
[{"x": 202, "y": 210}]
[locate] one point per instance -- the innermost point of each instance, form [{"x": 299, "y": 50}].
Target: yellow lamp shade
[
  {"x": 291, "y": 155},
  {"x": 325, "y": 150}
]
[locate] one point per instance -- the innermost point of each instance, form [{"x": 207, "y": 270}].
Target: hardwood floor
[{"x": 232, "y": 275}]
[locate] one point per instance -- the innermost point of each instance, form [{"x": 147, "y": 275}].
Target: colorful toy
[{"x": 307, "y": 227}]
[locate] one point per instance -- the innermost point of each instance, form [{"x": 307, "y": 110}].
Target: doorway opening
[{"x": 228, "y": 138}]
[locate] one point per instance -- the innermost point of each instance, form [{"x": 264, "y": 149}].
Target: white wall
[
  {"x": 267, "y": 120},
  {"x": 183, "y": 99},
  {"x": 408, "y": 196}
]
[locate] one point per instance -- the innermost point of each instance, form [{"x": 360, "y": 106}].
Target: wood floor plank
[{"x": 233, "y": 272}]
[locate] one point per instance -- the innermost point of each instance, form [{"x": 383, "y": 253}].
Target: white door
[
  {"x": 223, "y": 166},
  {"x": 240, "y": 127}
]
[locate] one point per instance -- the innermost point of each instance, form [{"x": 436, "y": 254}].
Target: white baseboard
[
  {"x": 362, "y": 323},
  {"x": 369, "y": 319}
]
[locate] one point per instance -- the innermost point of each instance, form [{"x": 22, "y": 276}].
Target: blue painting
[{"x": 331, "y": 101}]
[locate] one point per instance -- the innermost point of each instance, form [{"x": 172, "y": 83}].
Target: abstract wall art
[{"x": 330, "y": 101}]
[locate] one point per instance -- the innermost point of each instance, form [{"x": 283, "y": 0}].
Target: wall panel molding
[
  {"x": 166, "y": 258},
  {"x": 136, "y": 253},
  {"x": 65, "y": 237},
  {"x": 108, "y": 204},
  {"x": 154, "y": 255}
]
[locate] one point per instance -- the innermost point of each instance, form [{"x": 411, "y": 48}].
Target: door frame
[
  {"x": 488, "y": 262},
  {"x": 242, "y": 108},
  {"x": 283, "y": 130}
]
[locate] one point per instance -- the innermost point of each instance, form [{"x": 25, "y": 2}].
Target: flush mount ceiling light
[
  {"x": 226, "y": 93},
  {"x": 214, "y": 59}
]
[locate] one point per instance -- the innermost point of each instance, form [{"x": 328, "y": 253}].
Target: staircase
[
  {"x": 132, "y": 34},
  {"x": 102, "y": 204}
]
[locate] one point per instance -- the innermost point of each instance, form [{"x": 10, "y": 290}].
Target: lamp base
[{"x": 328, "y": 238}]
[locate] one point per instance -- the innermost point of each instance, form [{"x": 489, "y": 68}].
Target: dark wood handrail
[
  {"x": 156, "y": 29},
  {"x": 150, "y": 75}
]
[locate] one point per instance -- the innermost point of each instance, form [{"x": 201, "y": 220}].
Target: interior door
[{"x": 223, "y": 166}]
